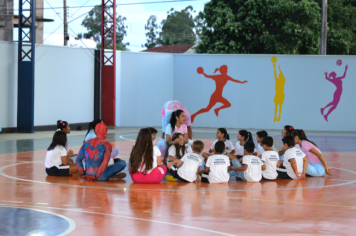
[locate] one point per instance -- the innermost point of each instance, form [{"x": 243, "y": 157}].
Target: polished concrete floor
[{"x": 32, "y": 203}]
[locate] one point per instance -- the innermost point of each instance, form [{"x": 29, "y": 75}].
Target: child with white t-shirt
[
  {"x": 295, "y": 161},
  {"x": 251, "y": 168},
  {"x": 221, "y": 135},
  {"x": 187, "y": 168},
  {"x": 270, "y": 159},
  {"x": 57, "y": 160},
  {"x": 243, "y": 137},
  {"x": 217, "y": 166},
  {"x": 260, "y": 136}
]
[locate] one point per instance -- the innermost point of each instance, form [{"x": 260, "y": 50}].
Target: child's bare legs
[{"x": 73, "y": 168}]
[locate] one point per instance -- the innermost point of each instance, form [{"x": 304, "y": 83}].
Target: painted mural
[
  {"x": 337, "y": 81},
  {"x": 279, "y": 97},
  {"x": 217, "y": 97}
]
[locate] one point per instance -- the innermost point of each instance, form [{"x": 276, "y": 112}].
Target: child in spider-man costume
[{"x": 96, "y": 153}]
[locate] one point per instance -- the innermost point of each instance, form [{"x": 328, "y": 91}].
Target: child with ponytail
[
  {"x": 286, "y": 131},
  {"x": 243, "y": 137},
  {"x": 64, "y": 126},
  {"x": 221, "y": 135},
  {"x": 317, "y": 163}
]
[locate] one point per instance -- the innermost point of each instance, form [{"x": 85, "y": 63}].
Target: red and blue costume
[{"x": 97, "y": 153}]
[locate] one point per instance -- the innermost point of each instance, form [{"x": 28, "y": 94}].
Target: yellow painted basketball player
[{"x": 279, "y": 97}]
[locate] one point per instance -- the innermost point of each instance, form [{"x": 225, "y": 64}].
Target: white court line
[
  {"x": 40, "y": 203},
  {"x": 261, "y": 223},
  {"x": 95, "y": 207},
  {"x": 177, "y": 214},
  {"x": 126, "y": 138},
  {"x": 68, "y": 205},
  {"x": 12, "y": 201},
  {"x": 325, "y": 232},
  {"x": 149, "y": 211},
  {"x": 132, "y": 218},
  {"x": 173, "y": 190},
  {"x": 235, "y": 220},
  {"x": 294, "y": 227},
  {"x": 71, "y": 223}
]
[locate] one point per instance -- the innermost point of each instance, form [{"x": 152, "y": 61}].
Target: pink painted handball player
[
  {"x": 167, "y": 110},
  {"x": 337, "y": 81}
]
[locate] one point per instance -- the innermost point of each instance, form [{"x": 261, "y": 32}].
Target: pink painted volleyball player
[{"x": 337, "y": 81}]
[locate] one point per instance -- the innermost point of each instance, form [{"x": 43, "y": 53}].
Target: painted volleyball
[
  {"x": 339, "y": 62},
  {"x": 200, "y": 70}
]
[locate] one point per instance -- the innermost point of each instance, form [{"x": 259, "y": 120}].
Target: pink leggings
[{"x": 154, "y": 177}]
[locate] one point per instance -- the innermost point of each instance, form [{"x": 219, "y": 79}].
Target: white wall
[
  {"x": 8, "y": 84},
  {"x": 64, "y": 85},
  {"x": 146, "y": 82}
]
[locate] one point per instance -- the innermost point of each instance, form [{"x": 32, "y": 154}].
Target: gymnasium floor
[{"x": 31, "y": 203}]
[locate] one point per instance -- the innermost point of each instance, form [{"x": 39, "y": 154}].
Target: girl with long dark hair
[
  {"x": 145, "y": 160},
  {"x": 176, "y": 124},
  {"x": 57, "y": 161},
  {"x": 317, "y": 163}
]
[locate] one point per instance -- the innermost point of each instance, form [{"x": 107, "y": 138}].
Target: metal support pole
[
  {"x": 324, "y": 29},
  {"x": 108, "y": 60},
  {"x": 65, "y": 23},
  {"x": 26, "y": 66}
]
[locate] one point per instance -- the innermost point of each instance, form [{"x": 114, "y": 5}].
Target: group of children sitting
[{"x": 184, "y": 159}]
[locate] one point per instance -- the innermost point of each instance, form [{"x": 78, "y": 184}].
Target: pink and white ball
[{"x": 339, "y": 62}]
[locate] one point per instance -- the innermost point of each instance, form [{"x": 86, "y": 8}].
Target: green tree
[
  {"x": 178, "y": 27},
  {"x": 261, "y": 26},
  {"x": 341, "y": 36},
  {"x": 152, "y": 28},
  {"x": 92, "y": 23}
]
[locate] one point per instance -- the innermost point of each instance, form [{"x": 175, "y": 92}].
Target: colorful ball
[
  {"x": 200, "y": 70},
  {"x": 339, "y": 62},
  {"x": 274, "y": 59}
]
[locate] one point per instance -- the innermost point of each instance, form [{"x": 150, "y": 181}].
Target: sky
[{"x": 137, "y": 16}]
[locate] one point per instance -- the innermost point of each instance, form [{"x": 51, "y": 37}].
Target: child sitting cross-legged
[
  {"x": 187, "y": 168},
  {"x": 295, "y": 162},
  {"x": 217, "y": 166},
  {"x": 270, "y": 159},
  {"x": 251, "y": 168}
]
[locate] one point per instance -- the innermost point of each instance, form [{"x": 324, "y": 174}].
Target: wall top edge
[{"x": 46, "y": 45}]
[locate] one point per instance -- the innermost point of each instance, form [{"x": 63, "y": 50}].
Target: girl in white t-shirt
[
  {"x": 222, "y": 135},
  {"x": 57, "y": 160},
  {"x": 243, "y": 137},
  {"x": 260, "y": 135},
  {"x": 177, "y": 151},
  {"x": 145, "y": 160},
  {"x": 64, "y": 126}
]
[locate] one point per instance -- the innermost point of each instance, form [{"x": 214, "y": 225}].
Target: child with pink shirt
[
  {"x": 176, "y": 124},
  {"x": 317, "y": 163}
]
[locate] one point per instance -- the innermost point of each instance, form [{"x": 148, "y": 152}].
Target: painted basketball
[
  {"x": 274, "y": 59},
  {"x": 339, "y": 62},
  {"x": 200, "y": 70}
]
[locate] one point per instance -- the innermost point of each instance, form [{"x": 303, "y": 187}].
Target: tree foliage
[
  {"x": 179, "y": 28},
  {"x": 341, "y": 27},
  {"x": 277, "y": 27},
  {"x": 92, "y": 22},
  {"x": 152, "y": 28},
  {"x": 261, "y": 26}
]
